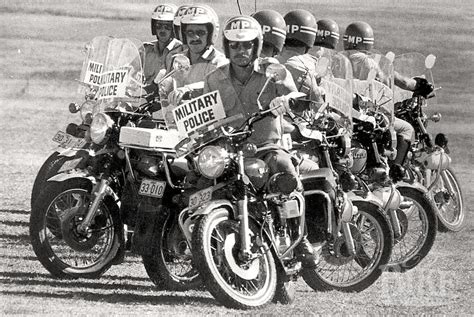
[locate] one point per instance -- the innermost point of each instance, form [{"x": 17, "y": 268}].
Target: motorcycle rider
[
  {"x": 273, "y": 30},
  {"x": 156, "y": 51},
  {"x": 359, "y": 39},
  {"x": 301, "y": 30},
  {"x": 238, "y": 83},
  {"x": 327, "y": 37},
  {"x": 199, "y": 31}
]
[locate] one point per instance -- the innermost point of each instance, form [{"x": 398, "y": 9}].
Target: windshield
[
  {"x": 373, "y": 79},
  {"x": 410, "y": 65},
  {"x": 119, "y": 72},
  {"x": 338, "y": 88},
  {"x": 93, "y": 64}
]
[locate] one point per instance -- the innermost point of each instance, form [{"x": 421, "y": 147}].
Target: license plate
[
  {"x": 69, "y": 165},
  {"x": 68, "y": 141},
  {"x": 199, "y": 198},
  {"x": 152, "y": 188}
]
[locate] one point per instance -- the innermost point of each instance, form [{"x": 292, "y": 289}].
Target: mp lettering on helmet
[
  {"x": 240, "y": 24},
  {"x": 164, "y": 9},
  {"x": 266, "y": 29},
  {"x": 292, "y": 28},
  {"x": 182, "y": 11},
  {"x": 195, "y": 11},
  {"x": 323, "y": 33}
]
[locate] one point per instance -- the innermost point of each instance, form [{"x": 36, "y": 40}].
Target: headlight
[
  {"x": 212, "y": 161},
  {"x": 86, "y": 111},
  {"x": 100, "y": 127}
]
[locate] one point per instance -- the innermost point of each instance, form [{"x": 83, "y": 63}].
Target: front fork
[
  {"x": 99, "y": 191},
  {"x": 243, "y": 212}
]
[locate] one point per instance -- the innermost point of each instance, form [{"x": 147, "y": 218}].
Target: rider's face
[
  {"x": 164, "y": 30},
  {"x": 196, "y": 37},
  {"x": 240, "y": 53}
]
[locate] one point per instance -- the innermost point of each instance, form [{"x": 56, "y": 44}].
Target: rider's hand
[
  {"x": 176, "y": 96},
  {"x": 281, "y": 105},
  {"x": 423, "y": 87}
]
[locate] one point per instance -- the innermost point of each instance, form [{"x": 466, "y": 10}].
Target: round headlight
[
  {"x": 100, "y": 126},
  {"x": 211, "y": 161},
  {"x": 86, "y": 111}
]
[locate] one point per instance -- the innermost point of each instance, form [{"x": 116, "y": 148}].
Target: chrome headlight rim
[
  {"x": 100, "y": 128},
  {"x": 86, "y": 111},
  {"x": 211, "y": 161}
]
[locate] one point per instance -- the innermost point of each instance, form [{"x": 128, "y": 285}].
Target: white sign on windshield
[
  {"x": 112, "y": 84},
  {"x": 338, "y": 94},
  {"x": 93, "y": 73},
  {"x": 198, "y": 113}
]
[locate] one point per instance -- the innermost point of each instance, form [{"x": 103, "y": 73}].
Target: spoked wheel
[
  {"x": 418, "y": 225},
  {"x": 340, "y": 270},
  {"x": 170, "y": 264},
  {"x": 61, "y": 246},
  {"x": 448, "y": 198},
  {"x": 234, "y": 279}
]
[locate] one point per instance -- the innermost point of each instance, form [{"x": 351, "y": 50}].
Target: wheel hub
[
  {"x": 337, "y": 253},
  {"x": 247, "y": 271},
  {"x": 78, "y": 241}
]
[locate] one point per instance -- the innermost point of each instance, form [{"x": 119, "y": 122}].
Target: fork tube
[
  {"x": 376, "y": 152},
  {"x": 243, "y": 211},
  {"x": 99, "y": 196},
  {"x": 348, "y": 237}
]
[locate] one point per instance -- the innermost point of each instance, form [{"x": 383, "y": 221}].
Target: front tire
[
  {"x": 419, "y": 232},
  {"x": 449, "y": 204},
  {"x": 170, "y": 264},
  {"x": 233, "y": 281},
  {"x": 60, "y": 247},
  {"x": 337, "y": 270}
]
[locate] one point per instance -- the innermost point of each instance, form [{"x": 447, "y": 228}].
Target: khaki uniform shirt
[
  {"x": 241, "y": 97},
  {"x": 154, "y": 60}
]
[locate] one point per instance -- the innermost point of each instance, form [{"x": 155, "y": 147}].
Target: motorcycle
[
  {"x": 428, "y": 161},
  {"x": 354, "y": 247},
  {"x": 90, "y": 213},
  {"x": 412, "y": 218},
  {"x": 74, "y": 138}
]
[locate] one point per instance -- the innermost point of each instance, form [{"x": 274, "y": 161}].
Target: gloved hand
[
  {"x": 176, "y": 96},
  {"x": 423, "y": 87},
  {"x": 281, "y": 105}
]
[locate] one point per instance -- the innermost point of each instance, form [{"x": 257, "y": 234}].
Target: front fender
[
  {"x": 73, "y": 174},
  {"x": 368, "y": 197},
  {"x": 415, "y": 185},
  {"x": 213, "y": 204},
  {"x": 67, "y": 152}
]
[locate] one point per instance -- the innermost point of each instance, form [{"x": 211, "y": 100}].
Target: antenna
[{"x": 238, "y": 4}]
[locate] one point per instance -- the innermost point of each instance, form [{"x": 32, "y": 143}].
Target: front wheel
[
  {"x": 63, "y": 249},
  {"x": 169, "y": 265},
  {"x": 234, "y": 279},
  {"x": 418, "y": 231},
  {"x": 448, "y": 198},
  {"x": 342, "y": 271}
]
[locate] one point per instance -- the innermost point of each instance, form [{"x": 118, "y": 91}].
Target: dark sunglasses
[
  {"x": 167, "y": 27},
  {"x": 199, "y": 33},
  {"x": 244, "y": 45}
]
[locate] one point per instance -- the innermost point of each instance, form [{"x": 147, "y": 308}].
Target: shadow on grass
[
  {"x": 16, "y": 212},
  {"x": 15, "y": 223},
  {"x": 21, "y": 257},
  {"x": 119, "y": 298},
  {"x": 22, "y": 239}
]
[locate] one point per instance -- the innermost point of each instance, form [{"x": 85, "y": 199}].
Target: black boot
[
  {"x": 305, "y": 253},
  {"x": 402, "y": 149}
]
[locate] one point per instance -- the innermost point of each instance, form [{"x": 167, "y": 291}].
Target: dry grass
[{"x": 40, "y": 58}]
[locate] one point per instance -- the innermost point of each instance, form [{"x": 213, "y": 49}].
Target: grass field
[{"x": 40, "y": 57}]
